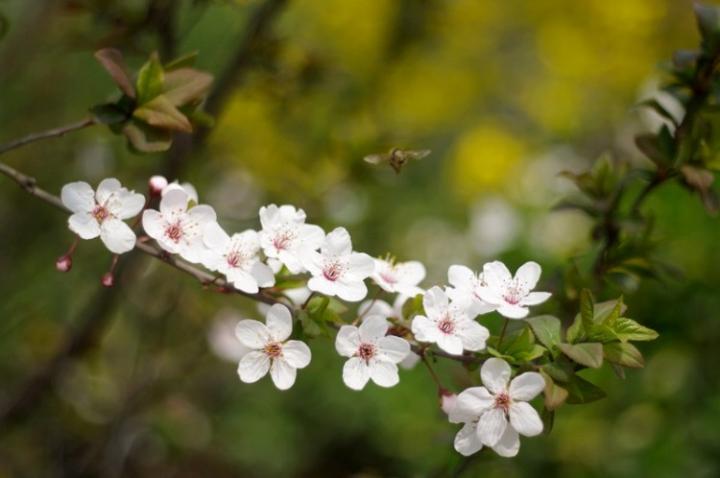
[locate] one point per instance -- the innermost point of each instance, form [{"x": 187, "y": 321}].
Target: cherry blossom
[
  {"x": 447, "y": 324},
  {"x": 270, "y": 349},
  {"x": 237, "y": 258},
  {"x": 101, "y": 213},
  {"x": 382, "y": 308},
  {"x": 337, "y": 270},
  {"x": 373, "y": 354},
  {"x": 511, "y": 295},
  {"x": 465, "y": 290},
  {"x": 285, "y": 236},
  {"x": 188, "y": 188},
  {"x": 497, "y": 413},
  {"x": 176, "y": 228},
  {"x": 400, "y": 277}
]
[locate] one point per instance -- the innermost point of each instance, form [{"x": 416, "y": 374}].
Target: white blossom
[
  {"x": 237, "y": 258},
  {"x": 101, "y": 213},
  {"x": 176, "y": 228},
  {"x": 188, "y": 188},
  {"x": 511, "y": 295},
  {"x": 373, "y": 354},
  {"x": 337, "y": 270},
  {"x": 285, "y": 237},
  {"x": 465, "y": 290},
  {"x": 399, "y": 277},
  {"x": 448, "y": 325},
  {"x": 271, "y": 349},
  {"x": 497, "y": 413},
  {"x": 382, "y": 308}
]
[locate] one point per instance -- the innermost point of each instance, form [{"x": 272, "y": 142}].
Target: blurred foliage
[{"x": 506, "y": 94}]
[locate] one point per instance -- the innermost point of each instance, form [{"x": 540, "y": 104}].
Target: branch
[{"x": 51, "y": 133}]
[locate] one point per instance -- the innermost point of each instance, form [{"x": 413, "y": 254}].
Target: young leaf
[
  {"x": 587, "y": 309},
  {"x": 317, "y": 306},
  {"x": 185, "y": 86},
  {"x": 555, "y": 395},
  {"x": 625, "y": 354},
  {"x": 628, "y": 330},
  {"x": 546, "y": 329},
  {"x": 146, "y": 139},
  {"x": 589, "y": 354},
  {"x": 150, "y": 80},
  {"x": 112, "y": 60},
  {"x": 162, "y": 113},
  {"x": 575, "y": 333}
]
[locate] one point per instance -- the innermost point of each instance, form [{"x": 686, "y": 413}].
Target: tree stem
[{"x": 51, "y": 133}]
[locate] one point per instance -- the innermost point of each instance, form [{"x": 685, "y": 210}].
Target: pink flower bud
[
  {"x": 156, "y": 184},
  {"x": 63, "y": 263},
  {"x": 108, "y": 279},
  {"x": 447, "y": 401}
]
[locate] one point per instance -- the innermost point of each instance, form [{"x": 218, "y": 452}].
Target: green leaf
[
  {"x": 601, "y": 333},
  {"x": 413, "y": 307},
  {"x": 160, "y": 112},
  {"x": 560, "y": 370},
  {"x": 655, "y": 105},
  {"x": 581, "y": 391},
  {"x": 587, "y": 309},
  {"x": 4, "y": 25},
  {"x": 146, "y": 139},
  {"x": 575, "y": 332},
  {"x": 625, "y": 354},
  {"x": 589, "y": 354},
  {"x": 109, "y": 113},
  {"x": 708, "y": 19},
  {"x": 310, "y": 327},
  {"x": 317, "y": 306},
  {"x": 150, "y": 80},
  {"x": 546, "y": 329},
  {"x": 548, "y": 419},
  {"x": 496, "y": 353},
  {"x": 185, "y": 61},
  {"x": 607, "y": 312},
  {"x": 627, "y": 329}
]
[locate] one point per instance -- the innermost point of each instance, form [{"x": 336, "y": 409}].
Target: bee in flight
[{"x": 396, "y": 157}]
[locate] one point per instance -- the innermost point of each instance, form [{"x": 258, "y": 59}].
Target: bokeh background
[{"x": 505, "y": 94}]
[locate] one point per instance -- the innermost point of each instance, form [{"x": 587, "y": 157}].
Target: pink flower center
[
  {"x": 366, "y": 351},
  {"x": 512, "y": 295},
  {"x": 502, "y": 401},
  {"x": 273, "y": 350},
  {"x": 388, "y": 277},
  {"x": 100, "y": 213},
  {"x": 234, "y": 259},
  {"x": 446, "y": 325},
  {"x": 282, "y": 240},
  {"x": 333, "y": 271},
  {"x": 174, "y": 232}
]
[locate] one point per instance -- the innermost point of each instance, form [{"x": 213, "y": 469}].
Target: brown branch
[{"x": 51, "y": 133}]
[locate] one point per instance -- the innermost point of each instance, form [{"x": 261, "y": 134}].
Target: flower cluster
[{"x": 379, "y": 338}]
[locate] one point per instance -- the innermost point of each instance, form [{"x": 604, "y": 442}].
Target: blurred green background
[{"x": 506, "y": 94}]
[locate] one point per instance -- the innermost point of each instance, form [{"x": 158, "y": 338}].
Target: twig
[
  {"x": 51, "y": 133},
  {"x": 502, "y": 332}
]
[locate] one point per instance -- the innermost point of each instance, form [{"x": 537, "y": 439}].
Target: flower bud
[
  {"x": 156, "y": 184},
  {"x": 447, "y": 401},
  {"x": 108, "y": 279},
  {"x": 64, "y": 263}
]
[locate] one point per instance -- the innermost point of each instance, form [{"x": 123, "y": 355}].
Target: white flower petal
[
  {"x": 535, "y": 298},
  {"x": 84, "y": 225},
  {"x": 131, "y": 203},
  {"x": 279, "y": 322},
  {"x": 509, "y": 443},
  {"x": 282, "y": 374},
  {"x": 424, "y": 329},
  {"x": 347, "y": 340},
  {"x": 78, "y": 197},
  {"x": 495, "y": 374},
  {"x": 361, "y": 266},
  {"x": 337, "y": 243},
  {"x": 513, "y": 311},
  {"x": 322, "y": 285},
  {"x": 253, "y": 366},
  {"x": 460, "y": 276},
  {"x": 394, "y": 349},
  {"x": 153, "y": 223},
  {"x": 252, "y": 333},
  {"x": 263, "y": 274},
  {"x": 375, "y": 307},
  {"x": 528, "y": 275},
  {"x": 372, "y": 328},
  {"x": 491, "y": 426},
  {"x": 296, "y": 353},
  {"x": 472, "y": 402},
  {"x": 215, "y": 237},
  {"x": 203, "y": 214},
  {"x": 356, "y": 373},
  {"x": 435, "y": 302},
  {"x": 351, "y": 291},
  {"x": 311, "y": 236},
  {"x": 175, "y": 200},
  {"x": 384, "y": 373},
  {"x": 473, "y": 335},
  {"x": 451, "y": 344},
  {"x": 107, "y": 188},
  {"x": 467, "y": 441},
  {"x": 240, "y": 279},
  {"x": 411, "y": 272},
  {"x": 526, "y": 386},
  {"x": 117, "y": 236},
  {"x": 525, "y": 419}
]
